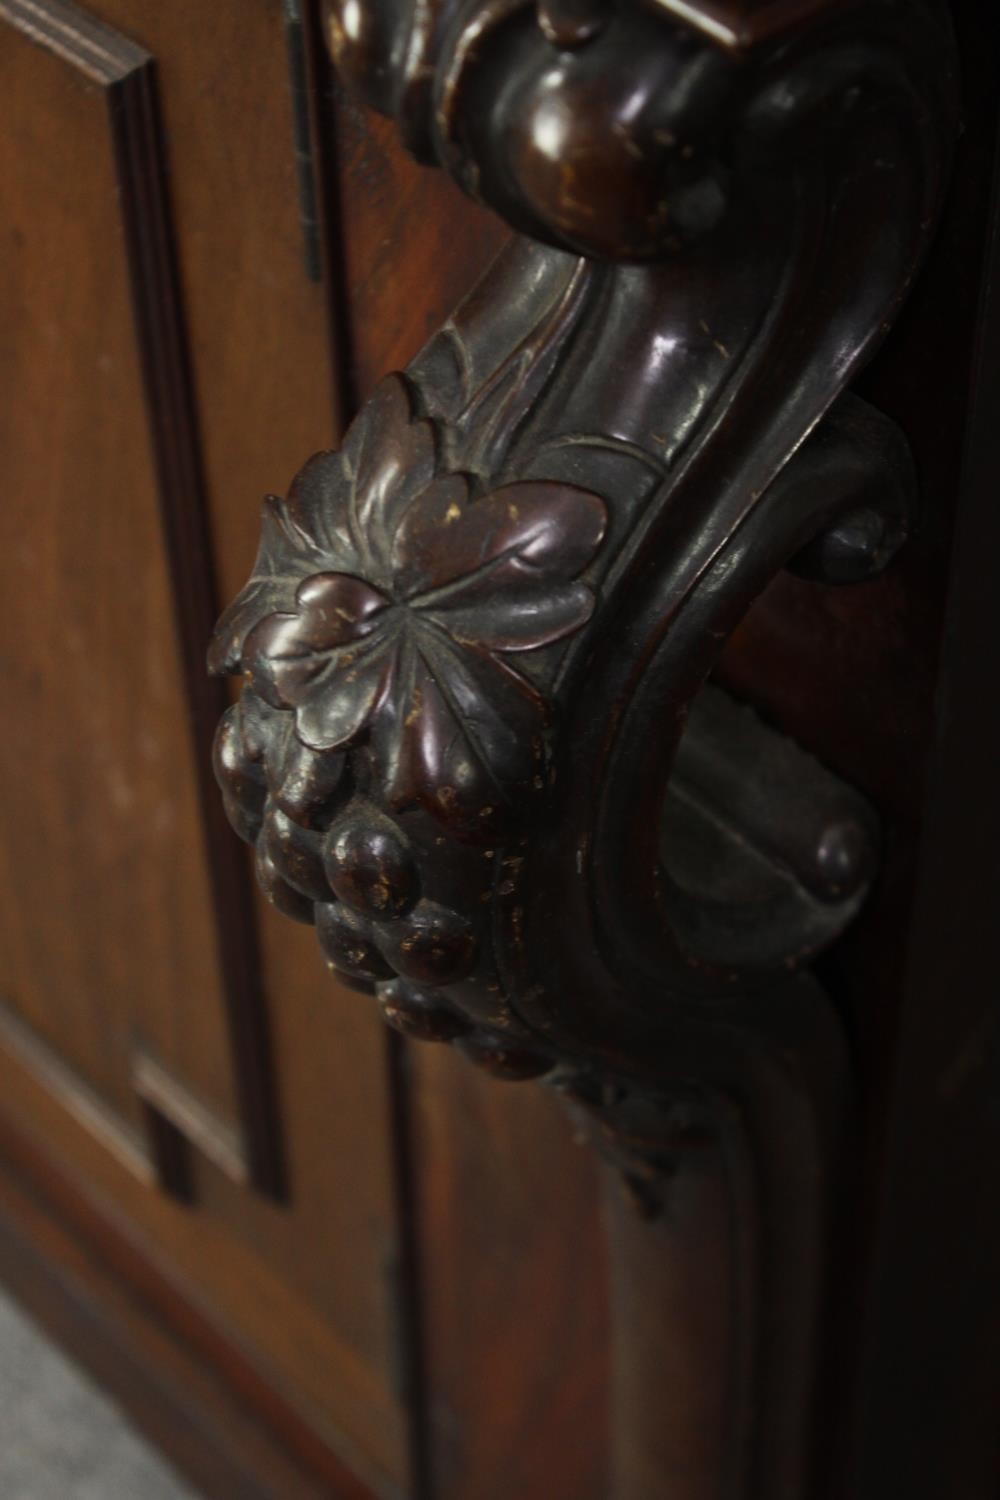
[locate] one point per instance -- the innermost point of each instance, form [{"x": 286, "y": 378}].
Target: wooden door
[{"x": 314, "y": 1257}]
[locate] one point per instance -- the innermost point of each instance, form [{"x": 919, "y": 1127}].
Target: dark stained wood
[
  {"x": 80, "y": 1100},
  {"x": 852, "y": 673},
  {"x": 670, "y": 1412},
  {"x": 177, "y": 1110},
  {"x": 124, "y": 72},
  {"x": 856, "y": 675},
  {"x": 259, "y": 331},
  {"x": 490, "y": 1238},
  {"x": 927, "y": 1408},
  {"x": 162, "y": 341},
  {"x": 257, "y": 324},
  {"x": 589, "y": 467},
  {"x": 744, "y": 23},
  {"x": 516, "y": 1277},
  {"x": 437, "y": 1302}
]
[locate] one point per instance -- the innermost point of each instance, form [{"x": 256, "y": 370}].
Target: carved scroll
[{"x": 474, "y": 744}]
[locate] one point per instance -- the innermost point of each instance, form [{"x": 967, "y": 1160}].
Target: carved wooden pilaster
[{"x": 475, "y": 745}]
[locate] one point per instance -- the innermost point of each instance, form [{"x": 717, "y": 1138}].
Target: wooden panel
[
  {"x": 258, "y": 325},
  {"x": 248, "y": 1315},
  {"x": 222, "y": 1429},
  {"x": 108, "y": 916},
  {"x": 307, "y": 1289},
  {"x": 259, "y": 337},
  {"x": 517, "y": 1289},
  {"x": 412, "y": 245}
]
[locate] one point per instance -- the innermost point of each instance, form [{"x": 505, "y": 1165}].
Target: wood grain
[
  {"x": 221, "y": 1294},
  {"x": 108, "y": 921},
  {"x": 517, "y": 1307},
  {"x": 78, "y": 1279},
  {"x": 411, "y": 245},
  {"x": 94, "y": 563}
]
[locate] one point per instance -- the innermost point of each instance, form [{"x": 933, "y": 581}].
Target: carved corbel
[{"x": 475, "y": 743}]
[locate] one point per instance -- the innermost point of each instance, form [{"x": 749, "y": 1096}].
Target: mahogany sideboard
[{"x": 613, "y": 695}]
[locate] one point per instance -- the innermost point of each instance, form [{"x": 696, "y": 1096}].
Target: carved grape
[
  {"x": 369, "y": 863},
  {"x": 432, "y": 946},
  {"x": 277, "y": 890},
  {"x": 295, "y": 854},
  {"x": 348, "y": 942},
  {"x": 240, "y": 778},
  {"x": 503, "y": 1059},
  {"x": 305, "y": 783},
  {"x": 416, "y": 1014},
  {"x": 261, "y": 727}
]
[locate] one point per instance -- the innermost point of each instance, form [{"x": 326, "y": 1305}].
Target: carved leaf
[
  {"x": 383, "y": 598},
  {"x": 286, "y": 553},
  {"x": 461, "y": 732},
  {"x": 391, "y": 459},
  {"x": 538, "y": 530}
]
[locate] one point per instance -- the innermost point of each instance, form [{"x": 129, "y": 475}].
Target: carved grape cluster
[
  {"x": 326, "y": 855},
  {"x": 377, "y": 636}
]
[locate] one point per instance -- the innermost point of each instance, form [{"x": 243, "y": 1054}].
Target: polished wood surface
[
  {"x": 741, "y": 23},
  {"x": 401, "y": 228},
  {"x": 420, "y": 1300},
  {"x": 518, "y": 1317}
]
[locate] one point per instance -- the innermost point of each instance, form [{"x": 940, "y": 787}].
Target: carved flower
[{"x": 387, "y": 603}]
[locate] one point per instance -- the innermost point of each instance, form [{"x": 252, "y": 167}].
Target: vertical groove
[
  {"x": 326, "y": 165},
  {"x": 302, "y": 138},
  {"x": 168, "y": 390}
]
